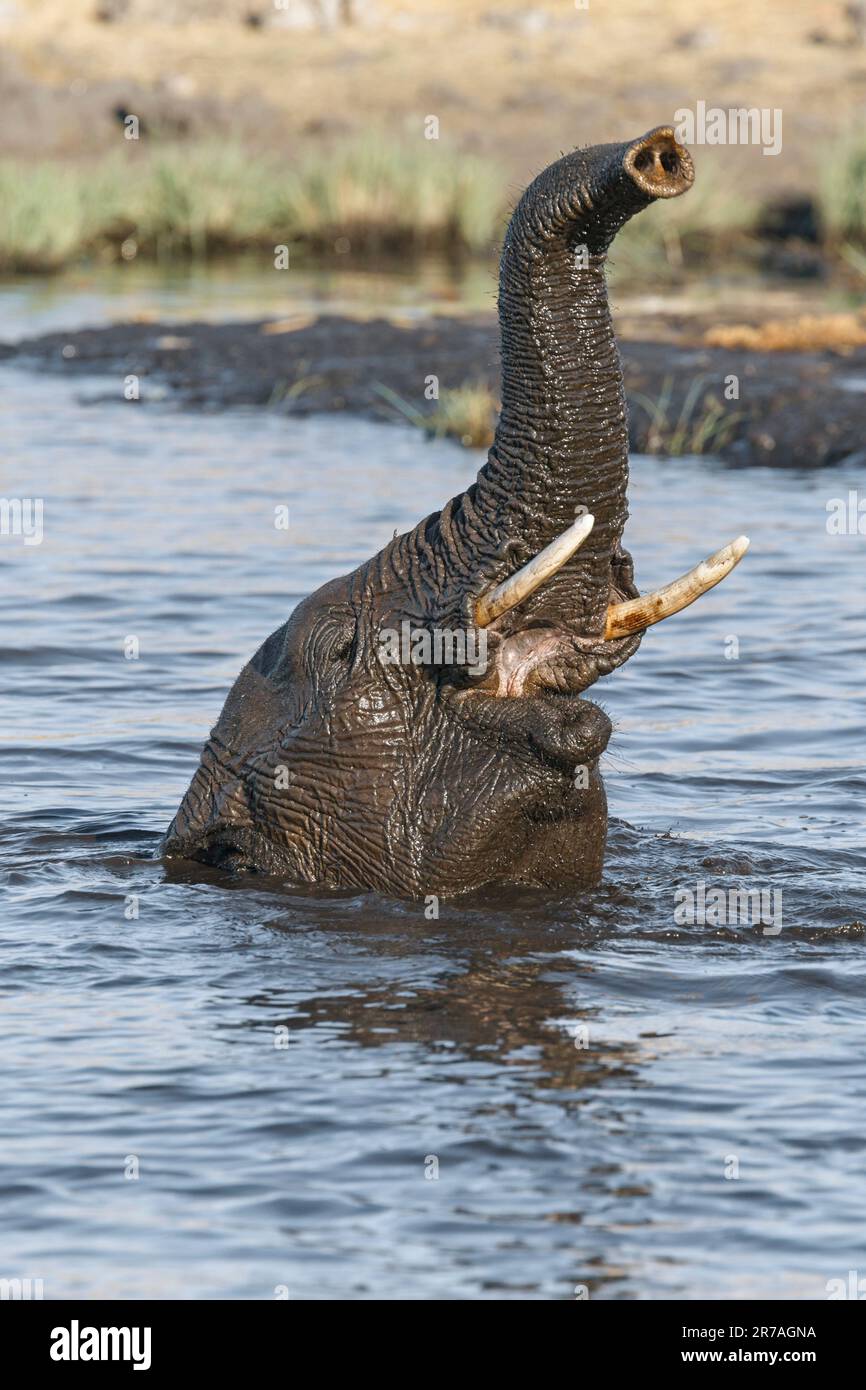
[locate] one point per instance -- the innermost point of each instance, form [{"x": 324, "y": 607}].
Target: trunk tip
[{"x": 659, "y": 165}]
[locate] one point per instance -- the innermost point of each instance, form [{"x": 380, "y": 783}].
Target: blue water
[{"x": 158, "y": 1139}]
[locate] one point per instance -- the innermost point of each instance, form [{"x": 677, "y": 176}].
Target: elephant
[{"x": 418, "y": 727}]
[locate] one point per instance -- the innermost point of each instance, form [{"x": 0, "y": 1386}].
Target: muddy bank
[{"x": 800, "y": 409}]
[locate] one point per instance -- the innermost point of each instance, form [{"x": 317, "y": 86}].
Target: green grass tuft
[
  {"x": 842, "y": 194},
  {"x": 201, "y": 199},
  {"x": 702, "y": 425},
  {"x": 363, "y": 196}
]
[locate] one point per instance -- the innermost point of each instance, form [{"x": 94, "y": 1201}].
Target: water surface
[{"x": 140, "y": 1012}]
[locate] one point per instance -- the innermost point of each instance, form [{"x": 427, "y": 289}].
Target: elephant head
[{"x": 418, "y": 726}]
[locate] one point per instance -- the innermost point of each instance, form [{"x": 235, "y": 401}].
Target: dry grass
[
  {"x": 807, "y": 333},
  {"x": 340, "y": 153},
  {"x": 518, "y": 79},
  {"x": 467, "y": 413}
]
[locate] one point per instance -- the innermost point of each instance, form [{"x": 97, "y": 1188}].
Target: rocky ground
[{"x": 794, "y": 408}]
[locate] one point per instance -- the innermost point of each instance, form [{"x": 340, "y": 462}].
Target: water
[
  {"x": 147, "y": 1042},
  {"x": 239, "y": 289}
]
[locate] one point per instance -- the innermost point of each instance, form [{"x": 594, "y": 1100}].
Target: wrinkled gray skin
[{"x": 328, "y": 766}]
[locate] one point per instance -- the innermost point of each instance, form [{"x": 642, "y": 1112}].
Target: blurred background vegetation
[{"x": 305, "y": 123}]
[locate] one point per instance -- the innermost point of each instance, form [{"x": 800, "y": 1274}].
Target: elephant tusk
[
  {"x": 638, "y": 613},
  {"x": 532, "y": 575}
]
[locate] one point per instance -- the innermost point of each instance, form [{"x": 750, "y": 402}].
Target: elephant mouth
[
  {"x": 533, "y": 657},
  {"x": 547, "y": 658}
]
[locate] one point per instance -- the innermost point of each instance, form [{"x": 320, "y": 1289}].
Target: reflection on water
[
  {"x": 245, "y": 288},
  {"x": 290, "y": 1070},
  {"x": 250, "y": 287}
]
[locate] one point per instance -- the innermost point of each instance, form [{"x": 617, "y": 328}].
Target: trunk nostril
[{"x": 659, "y": 165}]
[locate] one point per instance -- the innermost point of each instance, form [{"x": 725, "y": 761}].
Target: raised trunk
[{"x": 562, "y": 439}]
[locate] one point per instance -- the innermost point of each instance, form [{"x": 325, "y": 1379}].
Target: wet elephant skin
[{"x": 425, "y": 775}]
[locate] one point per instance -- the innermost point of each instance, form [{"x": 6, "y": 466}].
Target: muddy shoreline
[{"x": 794, "y": 409}]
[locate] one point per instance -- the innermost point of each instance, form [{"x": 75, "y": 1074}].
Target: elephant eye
[{"x": 339, "y": 640}]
